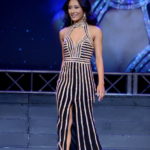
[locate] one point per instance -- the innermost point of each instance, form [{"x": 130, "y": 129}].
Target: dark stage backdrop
[
  {"x": 27, "y": 38},
  {"x": 29, "y": 35}
]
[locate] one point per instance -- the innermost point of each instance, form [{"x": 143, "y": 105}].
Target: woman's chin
[{"x": 75, "y": 20}]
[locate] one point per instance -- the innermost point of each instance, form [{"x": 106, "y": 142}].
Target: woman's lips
[{"x": 74, "y": 15}]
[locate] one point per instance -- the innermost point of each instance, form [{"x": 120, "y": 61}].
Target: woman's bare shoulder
[
  {"x": 63, "y": 31},
  {"x": 95, "y": 29}
]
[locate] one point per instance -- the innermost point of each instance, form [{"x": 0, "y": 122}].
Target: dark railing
[{"x": 35, "y": 81}]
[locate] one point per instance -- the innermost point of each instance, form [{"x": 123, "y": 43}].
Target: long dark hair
[{"x": 86, "y": 6}]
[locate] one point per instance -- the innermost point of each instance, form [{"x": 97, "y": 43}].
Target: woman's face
[{"x": 75, "y": 10}]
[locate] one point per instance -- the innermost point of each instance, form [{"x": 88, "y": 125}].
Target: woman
[{"x": 75, "y": 90}]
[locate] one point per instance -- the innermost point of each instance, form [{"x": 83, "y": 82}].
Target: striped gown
[{"x": 76, "y": 87}]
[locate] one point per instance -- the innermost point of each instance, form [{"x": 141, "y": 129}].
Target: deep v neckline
[{"x": 76, "y": 44}]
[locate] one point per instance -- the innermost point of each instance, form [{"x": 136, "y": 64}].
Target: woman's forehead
[{"x": 74, "y": 2}]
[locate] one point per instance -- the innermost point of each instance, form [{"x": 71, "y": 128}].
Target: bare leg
[{"x": 69, "y": 129}]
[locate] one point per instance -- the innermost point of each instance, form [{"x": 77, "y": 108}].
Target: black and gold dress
[{"x": 76, "y": 87}]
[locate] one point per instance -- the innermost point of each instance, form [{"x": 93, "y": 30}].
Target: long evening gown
[{"x": 76, "y": 87}]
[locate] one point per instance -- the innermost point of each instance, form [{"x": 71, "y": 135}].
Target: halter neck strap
[
  {"x": 85, "y": 27},
  {"x": 79, "y": 24},
  {"x": 82, "y": 24}
]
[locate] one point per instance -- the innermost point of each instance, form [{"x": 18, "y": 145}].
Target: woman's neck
[{"x": 79, "y": 23}]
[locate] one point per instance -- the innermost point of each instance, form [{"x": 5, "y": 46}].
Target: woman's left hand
[{"x": 100, "y": 92}]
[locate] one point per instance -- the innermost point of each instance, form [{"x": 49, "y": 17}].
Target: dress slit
[{"x": 73, "y": 144}]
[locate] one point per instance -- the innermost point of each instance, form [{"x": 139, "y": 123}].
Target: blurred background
[{"x": 29, "y": 34}]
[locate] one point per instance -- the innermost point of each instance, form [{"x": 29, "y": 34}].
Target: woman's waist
[
  {"x": 77, "y": 60},
  {"x": 73, "y": 67}
]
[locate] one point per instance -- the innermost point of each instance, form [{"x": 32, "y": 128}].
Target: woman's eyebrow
[{"x": 73, "y": 5}]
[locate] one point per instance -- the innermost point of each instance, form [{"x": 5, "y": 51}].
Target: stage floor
[{"x": 32, "y": 126}]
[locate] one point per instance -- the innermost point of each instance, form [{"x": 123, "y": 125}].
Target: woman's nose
[{"x": 72, "y": 10}]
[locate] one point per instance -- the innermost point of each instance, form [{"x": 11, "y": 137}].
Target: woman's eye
[{"x": 76, "y": 7}]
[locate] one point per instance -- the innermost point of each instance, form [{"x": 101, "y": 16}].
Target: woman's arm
[
  {"x": 61, "y": 38},
  {"x": 98, "y": 53},
  {"x": 99, "y": 62}
]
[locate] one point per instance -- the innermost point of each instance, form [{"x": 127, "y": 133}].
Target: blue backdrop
[{"x": 29, "y": 35}]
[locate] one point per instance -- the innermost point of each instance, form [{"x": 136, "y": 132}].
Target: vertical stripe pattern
[{"x": 76, "y": 87}]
